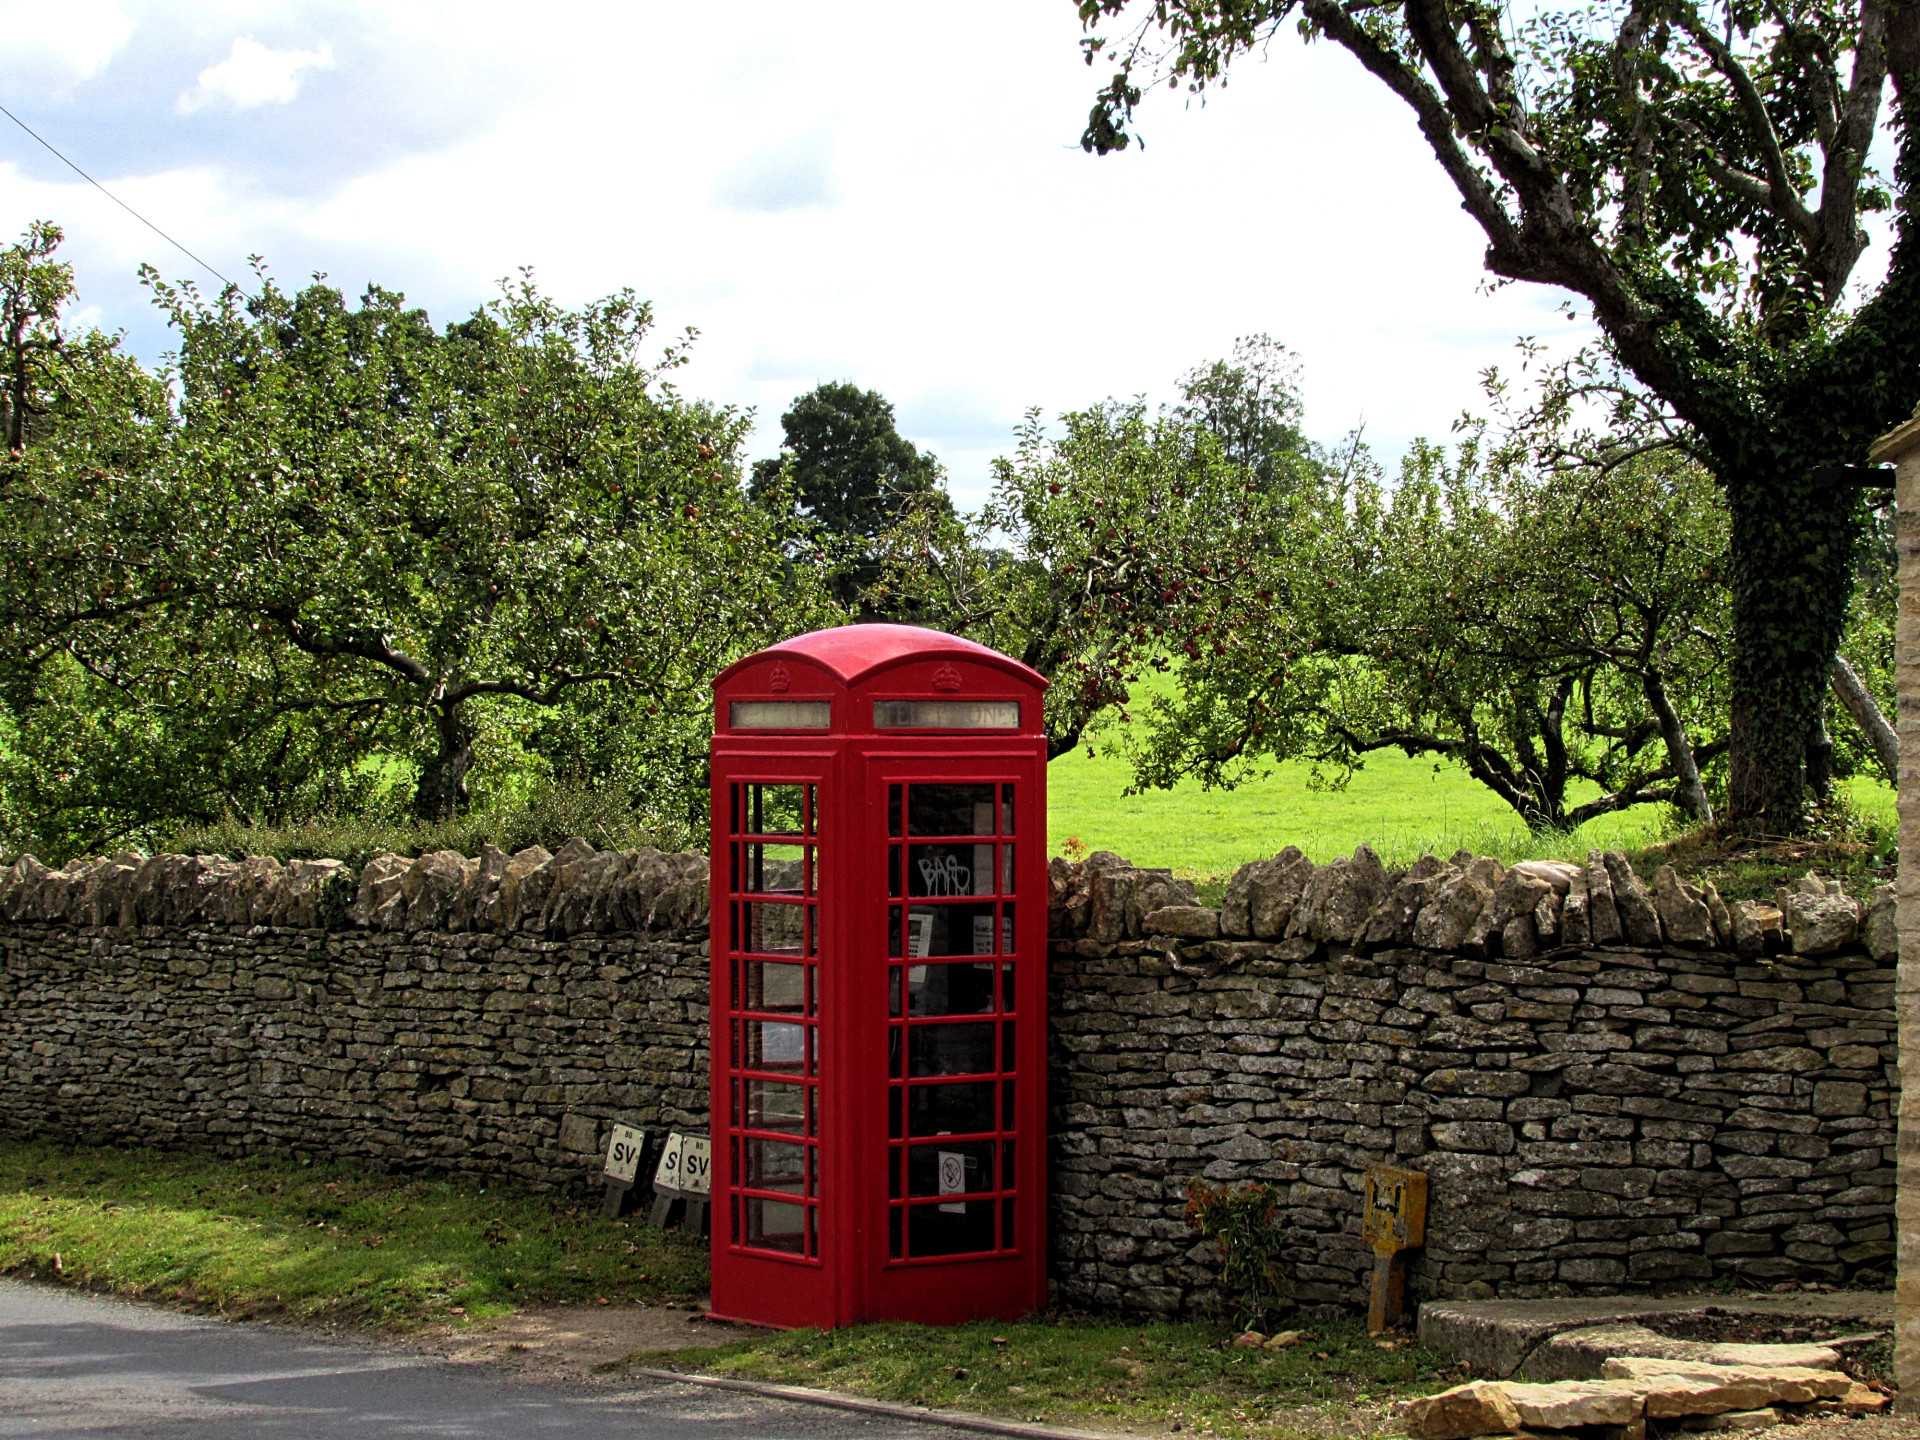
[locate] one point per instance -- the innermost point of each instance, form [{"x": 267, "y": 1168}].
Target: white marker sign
[
  {"x": 623, "y": 1153},
  {"x": 686, "y": 1164},
  {"x": 696, "y": 1164}
]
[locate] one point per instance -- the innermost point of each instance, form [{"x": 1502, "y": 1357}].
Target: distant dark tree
[
  {"x": 1251, "y": 404},
  {"x": 852, "y": 472}
]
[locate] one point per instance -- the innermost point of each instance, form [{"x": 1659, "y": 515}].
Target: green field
[{"x": 1401, "y": 807}]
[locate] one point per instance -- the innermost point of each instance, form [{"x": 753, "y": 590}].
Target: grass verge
[
  {"x": 1070, "y": 1370},
  {"x": 325, "y": 1242}
]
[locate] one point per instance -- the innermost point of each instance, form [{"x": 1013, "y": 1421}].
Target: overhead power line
[{"x": 115, "y": 198}]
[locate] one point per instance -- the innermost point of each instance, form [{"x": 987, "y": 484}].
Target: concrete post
[{"x": 1901, "y": 448}]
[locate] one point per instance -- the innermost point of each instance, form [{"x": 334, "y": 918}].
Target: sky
[{"x": 891, "y": 193}]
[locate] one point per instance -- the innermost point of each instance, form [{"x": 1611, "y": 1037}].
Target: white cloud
[
  {"x": 76, "y": 38},
  {"x": 796, "y": 175},
  {"x": 971, "y": 261},
  {"x": 253, "y": 75}
]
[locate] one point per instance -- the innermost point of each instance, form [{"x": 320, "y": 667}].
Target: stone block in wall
[
  {"x": 1266, "y": 893},
  {"x": 1188, "y": 922},
  {"x": 1682, "y": 909},
  {"x": 1603, "y": 913},
  {"x": 1338, "y": 898},
  {"x": 1392, "y": 920},
  {"x": 1121, "y": 896},
  {"x": 1877, "y": 930},
  {"x": 1639, "y": 923},
  {"x": 1820, "y": 917},
  {"x": 1448, "y": 917},
  {"x": 1514, "y": 899}
]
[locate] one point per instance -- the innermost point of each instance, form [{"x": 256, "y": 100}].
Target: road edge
[{"x": 840, "y": 1400}]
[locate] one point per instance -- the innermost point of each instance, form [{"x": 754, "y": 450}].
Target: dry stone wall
[
  {"x": 1611, "y": 1086},
  {"x": 489, "y": 1017}
]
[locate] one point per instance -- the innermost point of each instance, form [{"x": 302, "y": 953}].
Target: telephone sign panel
[{"x": 879, "y": 981}]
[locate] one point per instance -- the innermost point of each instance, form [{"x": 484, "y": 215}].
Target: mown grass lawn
[
  {"x": 1073, "y": 1370},
  {"x": 1399, "y": 806},
  {"x": 328, "y": 1242}
]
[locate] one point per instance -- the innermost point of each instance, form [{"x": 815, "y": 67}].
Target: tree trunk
[
  {"x": 442, "y": 789},
  {"x": 1687, "y": 789},
  {"x": 1792, "y": 574},
  {"x": 1820, "y": 760},
  {"x": 1865, "y": 711}
]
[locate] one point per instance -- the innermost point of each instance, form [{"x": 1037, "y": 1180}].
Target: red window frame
[
  {"x": 1001, "y": 1137},
  {"x": 750, "y": 1026}
]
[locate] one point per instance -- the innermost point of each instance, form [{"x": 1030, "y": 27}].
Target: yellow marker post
[{"x": 1393, "y": 1220}]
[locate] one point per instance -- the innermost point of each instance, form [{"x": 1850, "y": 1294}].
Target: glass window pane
[
  {"x": 1006, "y": 1224},
  {"x": 1006, "y": 1046},
  {"x": 774, "y": 809},
  {"x": 950, "y": 1050},
  {"x": 1006, "y": 1165},
  {"x": 957, "y": 1168},
  {"x": 959, "y": 988},
  {"x": 1006, "y": 986},
  {"x": 776, "y": 1225},
  {"x": 950, "y": 871},
  {"x": 763, "y": 869},
  {"x": 778, "y": 1107},
  {"x": 773, "y": 929},
  {"x": 779, "y": 989},
  {"x": 935, "y": 930},
  {"x": 1006, "y": 809},
  {"x": 895, "y": 1240},
  {"x": 1006, "y": 929},
  {"x": 956, "y": 1229},
  {"x": 775, "y": 1165},
  {"x": 950, "y": 810},
  {"x": 1006, "y": 869},
  {"x": 775, "y": 1045},
  {"x": 893, "y": 990},
  {"x": 893, "y": 931},
  {"x": 950, "y": 1109},
  {"x": 894, "y": 862},
  {"x": 893, "y": 809},
  {"x": 1006, "y": 1106}
]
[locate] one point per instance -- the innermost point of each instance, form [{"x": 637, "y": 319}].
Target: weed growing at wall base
[{"x": 327, "y": 1242}]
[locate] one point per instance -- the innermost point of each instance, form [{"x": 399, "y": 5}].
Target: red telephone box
[{"x": 879, "y": 981}]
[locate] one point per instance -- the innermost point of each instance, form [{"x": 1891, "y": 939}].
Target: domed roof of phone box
[{"x": 852, "y": 653}]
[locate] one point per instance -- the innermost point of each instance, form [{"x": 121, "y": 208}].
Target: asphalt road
[{"x": 76, "y": 1365}]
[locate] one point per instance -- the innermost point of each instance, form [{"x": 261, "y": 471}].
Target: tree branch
[
  {"x": 1860, "y": 704},
  {"x": 1435, "y": 122},
  {"x": 1783, "y": 199}
]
